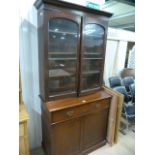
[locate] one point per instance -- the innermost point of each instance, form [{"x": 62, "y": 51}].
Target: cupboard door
[
  {"x": 66, "y": 137},
  {"x": 95, "y": 128},
  {"x": 62, "y": 49},
  {"x": 92, "y": 55}
]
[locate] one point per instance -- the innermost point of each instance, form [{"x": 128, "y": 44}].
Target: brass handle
[
  {"x": 70, "y": 113},
  {"x": 98, "y": 105}
]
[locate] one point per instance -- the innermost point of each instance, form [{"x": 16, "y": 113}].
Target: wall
[
  {"x": 116, "y": 45},
  {"x": 29, "y": 72},
  {"x": 116, "y": 52}
]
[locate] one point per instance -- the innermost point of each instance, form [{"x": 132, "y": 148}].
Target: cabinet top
[
  {"x": 76, "y": 101},
  {"x": 60, "y": 3}
]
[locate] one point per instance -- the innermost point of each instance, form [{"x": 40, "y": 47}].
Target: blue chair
[
  {"x": 115, "y": 81},
  {"x": 127, "y": 81},
  {"x": 132, "y": 91}
]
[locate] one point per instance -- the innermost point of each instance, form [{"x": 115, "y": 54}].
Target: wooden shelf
[
  {"x": 50, "y": 59},
  {"x": 58, "y": 73},
  {"x": 61, "y": 53},
  {"x": 62, "y": 32},
  {"x": 91, "y": 53},
  {"x": 90, "y": 72},
  {"x": 62, "y": 90},
  {"x": 92, "y": 58}
]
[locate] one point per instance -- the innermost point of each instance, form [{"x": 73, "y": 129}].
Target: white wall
[
  {"x": 116, "y": 52},
  {"x": 121, "y": 35},
  {"x": 29, "y": 71},
  {"x": 117, "y": 39}
]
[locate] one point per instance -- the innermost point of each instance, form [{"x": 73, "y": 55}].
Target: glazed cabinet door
[
  {"x": 95, "y": 128},
  {"x": 66, "y": 138},
  {"x": 92, "y": 54},
  {"x": 62, "y": 53}
]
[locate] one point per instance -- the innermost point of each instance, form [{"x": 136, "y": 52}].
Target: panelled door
[
  {"x": 66, "y": 137},
  {"x": 62, "y": 53},
  {"x": 95, "y": 128},
  {"x": 92, "y": 54}
]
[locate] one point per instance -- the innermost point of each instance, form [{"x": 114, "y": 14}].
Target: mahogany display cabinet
[{"x": 72, "y": 43}]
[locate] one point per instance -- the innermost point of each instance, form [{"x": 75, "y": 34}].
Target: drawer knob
[
  {"x": 70, "y": 113},
  {"x": 98, "y": 105}
]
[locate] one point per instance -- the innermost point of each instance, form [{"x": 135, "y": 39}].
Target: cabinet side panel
[
  {"x": 46, "y": 134},
  {"x": 41, "y": 50}
]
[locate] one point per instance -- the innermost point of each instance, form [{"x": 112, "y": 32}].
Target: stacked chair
[
  {"x": 115, "y": 81},
  {"x": 127, "y": 81},
  {"x": 132, "y": 91},
  {"x": 125, "y": 86}
]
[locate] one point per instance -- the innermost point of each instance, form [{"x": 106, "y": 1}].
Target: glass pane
[
  {"x": 58, "y": 86},
  {"x": 63, "y": 25},
  {"x": 91, "y": 65},
  {"x": 63, "y": 35},
  {"x": 90, "y": 81},
  {"x": 66, "y": 66},
  {"x": 93, "y": 39},
  {"x": 93, "y": 48},
  {"x": 62, "y": 43},
  {"x": 62, "y": 55}
]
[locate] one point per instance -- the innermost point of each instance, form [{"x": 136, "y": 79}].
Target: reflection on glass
[
  {"x": 93, "y": 38},
  {"x": 63, "y": 25},
  {"x": 62, "y": 55},
  {"x": 63, "y": 35},
  {"x": 61, "y": 68},
  {"x": 62, "y": 42},
  {"x": 62, "y": 85},
  {"x": 90, "y": 81},
  {"x": 91, "y": 65},
  {"x": 93, "y": 48}
]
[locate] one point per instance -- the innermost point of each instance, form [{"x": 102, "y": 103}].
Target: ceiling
[{"x": 123, "y": 13}]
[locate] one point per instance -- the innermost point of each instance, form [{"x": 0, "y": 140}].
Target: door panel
[
  {"x": 95, "y": 128},
  {"x": 92, "y": 54},
  {"x": 66, "y": 137},
  {"x": 62, "y": 54}
]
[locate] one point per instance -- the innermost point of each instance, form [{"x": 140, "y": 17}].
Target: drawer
[
  {"x": 77, "y": 111},
  {"x": 70, "y": 113},
  {"x": 99, "y": 105}
]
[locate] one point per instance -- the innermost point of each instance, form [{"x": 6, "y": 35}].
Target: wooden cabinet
[
  {"x": 72, "y": 43},
  {"x": 75, "y": 126}
]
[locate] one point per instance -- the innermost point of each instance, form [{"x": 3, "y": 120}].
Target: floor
[{"x": 125, "y": 146}]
